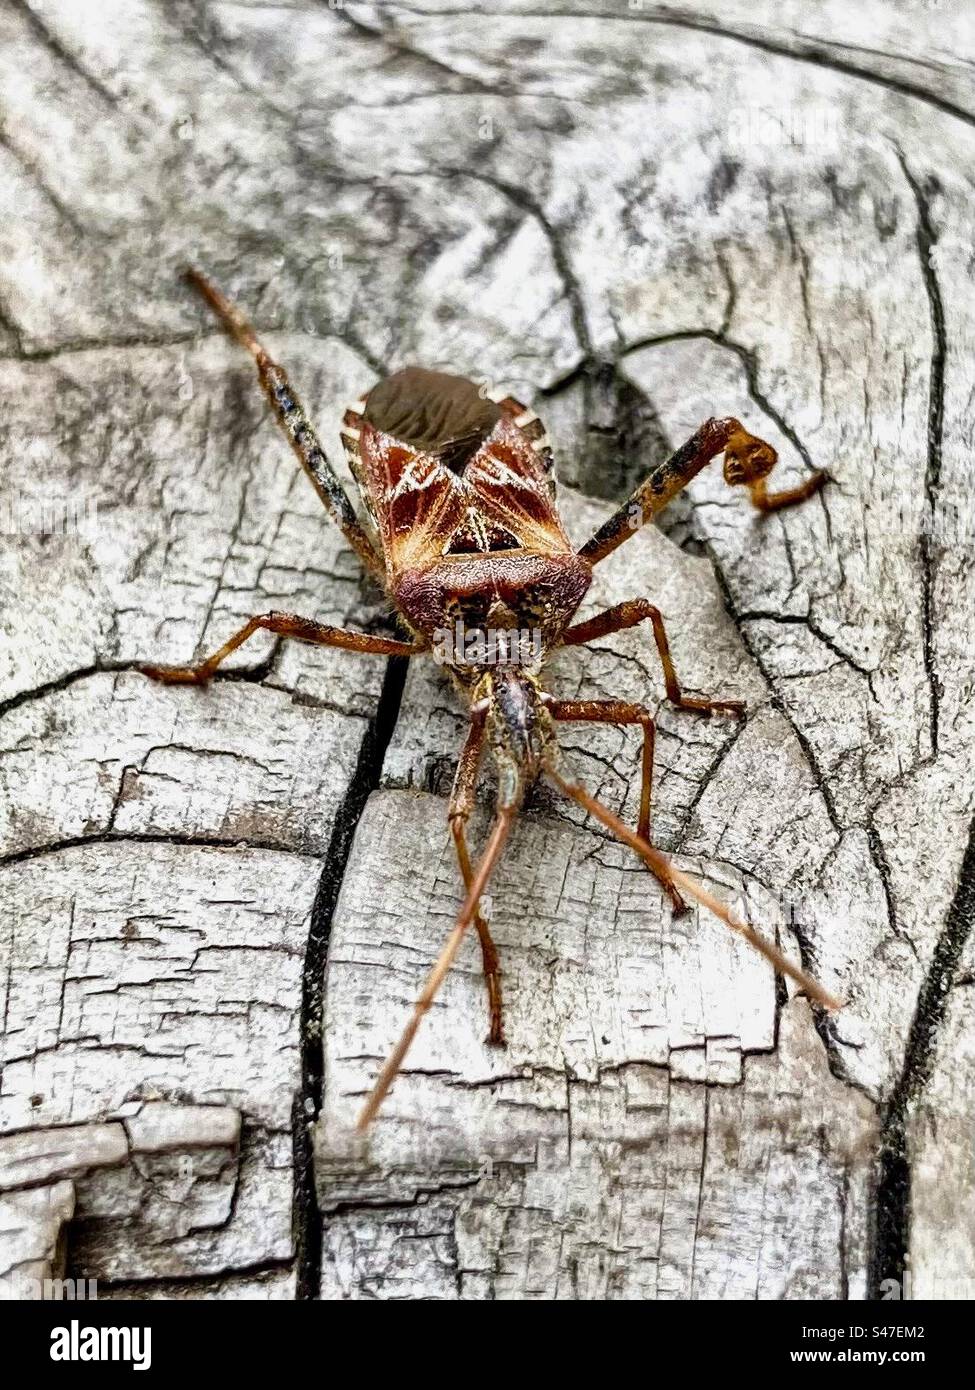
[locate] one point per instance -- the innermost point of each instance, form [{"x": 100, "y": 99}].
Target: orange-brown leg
[
  {"x": 286, "y": 625},
  {"x": 297, "y": 427},
  {"x": 626, "y": 615},
  {"x": 459, "y": 812},
  {"x": 621, "y": 712},
  {"x": 659, "y": 863},
  {"x": 491, "y": 854},
  {"x": 767, "y": 501},
  {"x": 748, "y": 461}
]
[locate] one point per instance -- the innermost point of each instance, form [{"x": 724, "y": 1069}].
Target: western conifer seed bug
[{"x": 462, "y": 532}]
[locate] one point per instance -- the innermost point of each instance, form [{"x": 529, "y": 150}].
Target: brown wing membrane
[
  {"x": 514, "y": 489},
  {"x": 447, "y": 470},
  {"x": 414, "y": 499},
  {"x": 447, "y": 416}
]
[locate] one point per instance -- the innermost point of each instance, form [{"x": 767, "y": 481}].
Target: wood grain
[{"x": 635, "y": 216}]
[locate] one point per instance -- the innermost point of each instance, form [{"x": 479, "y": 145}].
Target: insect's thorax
[{"x": 459, "y": 487}]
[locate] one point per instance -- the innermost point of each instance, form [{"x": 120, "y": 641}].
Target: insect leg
[
  {"x": 461, "y": 806},
  {"x": 620, "y": 712},
  {"x": 615, "y": 712},
  {"x": 287, "y": 625},
  {"x": 659, "y": 862},
  {"x": 295, "y": 424},
  {"x": 489, "y": 858},
  {"x": 748, "y": 461},
  {"x": 626, "y": 615}
]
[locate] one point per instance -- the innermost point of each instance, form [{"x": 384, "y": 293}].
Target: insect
[{"x": 463, "y": 533}]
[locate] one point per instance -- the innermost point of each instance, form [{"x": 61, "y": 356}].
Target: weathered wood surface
[
  {"x": 636, "y": 216},
  {"x": 135, "y": 1187}
]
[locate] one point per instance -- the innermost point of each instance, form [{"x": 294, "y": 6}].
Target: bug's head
[
  {"x": 747, "y": 459},
  {"x": 521, "y": 729}
]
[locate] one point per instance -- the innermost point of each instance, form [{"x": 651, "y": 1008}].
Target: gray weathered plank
[{"x": 637, "y": 216}]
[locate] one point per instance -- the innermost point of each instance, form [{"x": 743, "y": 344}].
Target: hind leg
[
  {"x": 626, "y": 615},
  {"x": 620, "y": 712},
  {"x": 459, "y": 811}
]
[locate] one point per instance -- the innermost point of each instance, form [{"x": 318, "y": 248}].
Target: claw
[{"x": 174, "y": 675}]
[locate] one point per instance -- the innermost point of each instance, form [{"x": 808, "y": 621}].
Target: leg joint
[{"x": 645, "y": 608}]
